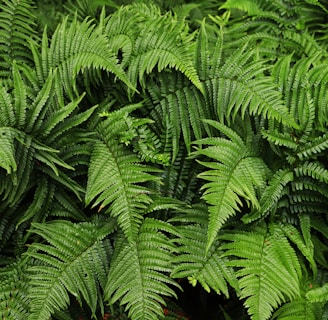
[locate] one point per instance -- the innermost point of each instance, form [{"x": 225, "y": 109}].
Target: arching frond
[
  {"x": 75, "y": 47},
  {"x": 76, "y": 263},
  {"x": 167, "y": 42},
  {"x": 138, "y": 275},
  {"x": 236, "y": 174},
  {"x": 268, "y": 269},
  {"x": 208, "y": 268},
  {"x": 116, "y": 177},
  {"x": 271, "y": 195}
]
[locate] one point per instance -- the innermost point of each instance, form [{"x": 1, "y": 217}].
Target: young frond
[
  {"x": 138, "y": 275},
  {"x": 236, "y": 172},
  {"x": 74, "y": 261},
  {"x": 268, "y": 268}
]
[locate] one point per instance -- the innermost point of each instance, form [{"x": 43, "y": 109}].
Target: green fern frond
[
  {"x": 248, "y": 6},
  {"x": 37, "y": 110},
  {"x": 305, "y": 43},
  {"x": 286, "y": 139},
  {"x": 267, "y": 267},
  {"x": 7, "y": 115},
  {"x": 7, "y": 153},
  {"x": 167, "y": 42},
  {"x": 298, "y": 309},
  {"x": 17, "y": 28},
  {"x": 271, "y": 195},
  {"x": 313, "y": 169},
  {"x": 138, "y": 273},
  {"x": 306, "y": 249},
  {"x": 116, "y": 176},
  {"x": 14, "y": 300},
  {"x": 75, "y": 47},
  {"x": 76, "y": 263},
  {"x": 318, "y": 294},
  {"x": 238, "y": 88},
  {"x": 174, "y": 100},
  {"x": 236, "y": 173},
  {"x": 313, "y": 148},
  {"x": 195, "y": 263}
]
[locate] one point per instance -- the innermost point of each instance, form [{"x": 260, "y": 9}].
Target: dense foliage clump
[{"x": 148, "y": 147}]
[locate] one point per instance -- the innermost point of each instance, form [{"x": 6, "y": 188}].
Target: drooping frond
[
  {"x": 75, "y": 47},
  {"x": 268, "y": 268},
  {"x": 116, "y": 176},
  {"x": 166, "y": 44},
  {"x": 238, "y": 84},
  {"x": 208, "y": 268},
  {"x": 271, "y": 195},
  {"x": 17, "y": 24},
  {"x": 138, "y": 276},
  {"x": 235, "y": 174},
  {"x": 75, "y": 261}
]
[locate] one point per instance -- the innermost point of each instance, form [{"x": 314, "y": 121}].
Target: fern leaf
[
  {"x": 271, "y": 195},
  {"x": 20, "y": 94},
  {"x": 306, "y": 249},
  {"x": 236, "y": 174},
  {"x": 248, "y": 6},
  {"x": 75, "y": 264},
  {"x": 172, "y": 96},
  {"x": 7, "y": 153},
  {"x": 239, "y": 86},
  {"x": 138, "y": 273},
  {"x": 167, "y": 42},
  {"x": 198, "y": 265},
  {"x": 268, "y": 268},
  {"x": 75, "y": 47},
  {"x": 17, "y": 24},
  {"x": 318, "y": 294},
  {"x": 7, "y": 115},
  {"x": 116, "y": 175},
  {"x": 298, "y": 309},
  {"x": 312, "y": 169},
  {"x": 36, "y": 112},
  {"x": 312, "y": 148},
  {"x": 14, "y": 300}
]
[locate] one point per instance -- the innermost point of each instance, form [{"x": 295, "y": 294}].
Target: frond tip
[
  {"x": 138, "y": 274},
  {"x": 268, "y": 268},
  {"x": 235, "y": 173}
]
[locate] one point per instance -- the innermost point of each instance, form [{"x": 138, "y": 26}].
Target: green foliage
[{"x": 146, "y": 145}]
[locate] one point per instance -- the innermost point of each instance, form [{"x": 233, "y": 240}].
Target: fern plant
[{"x": 146, "y": 148}]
